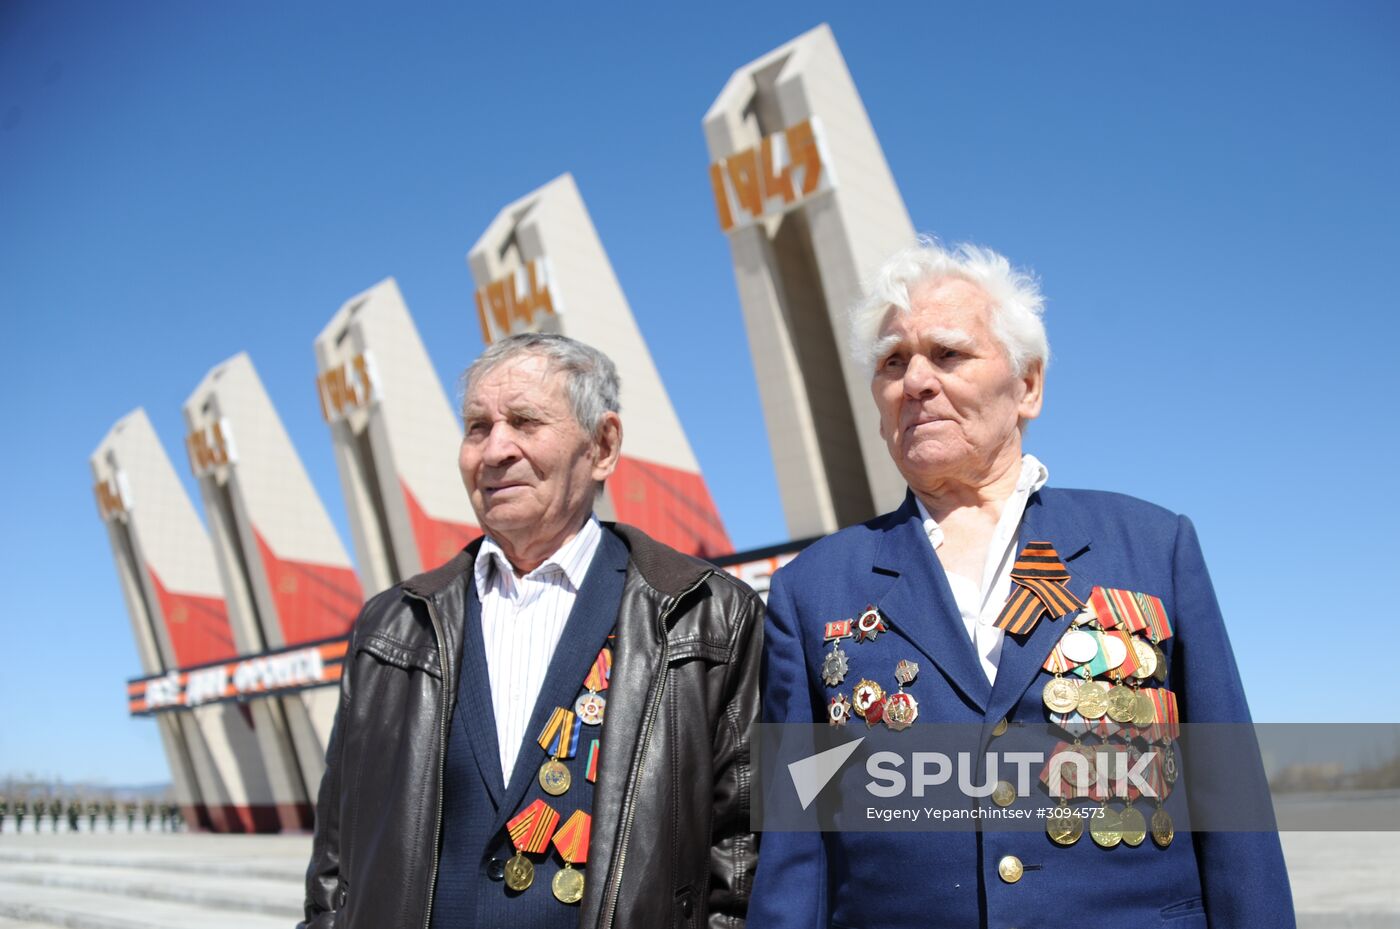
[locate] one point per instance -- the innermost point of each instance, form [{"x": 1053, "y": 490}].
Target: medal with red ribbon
[
  {"x": 591, "y": 706},
  {"x": 572, "y": 843},
  {"x": 530, "y": 832}
]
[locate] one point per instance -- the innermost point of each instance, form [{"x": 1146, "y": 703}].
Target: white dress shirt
[
  {"x": 521, "y": 621},
  {"x": 980, "y": 601}
]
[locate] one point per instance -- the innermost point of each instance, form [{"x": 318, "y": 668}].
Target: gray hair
[
  {"x": 1017, "y": 304},
  {"x": 591, "y": 377}
]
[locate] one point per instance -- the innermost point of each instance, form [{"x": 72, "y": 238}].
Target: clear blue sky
[{"x": 1208, "y": 192}]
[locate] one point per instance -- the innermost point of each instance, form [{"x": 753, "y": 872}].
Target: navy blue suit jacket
[{"x": 870, "y": 879}]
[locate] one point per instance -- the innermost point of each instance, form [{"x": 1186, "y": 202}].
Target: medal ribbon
[
  {"x": 532, "y": 827},
  {"x": 560, "y": 736},
  {"x": 1072, "y": 723},
  {"x": 1068, "y": 788},
  {"x": 1173, "y": 717},
  {"x": 572, "y": 839},
  {"x": 1106, "y": 728},
  {"x": 1156, "y": 779},
  {"x": 592, "y": 775},
  {"x": 1057, "y": 663},
  {"x": 1130, "y": 661},
  {"x": 600, "y": 673},
  {"x": 1155, "y": 616},
  {"x": 1102, "y": 787},
  {"x": 1116, "y": 607},
  {"x": 1133, "y": 756},
  {"x": 1041, "y": 580}
]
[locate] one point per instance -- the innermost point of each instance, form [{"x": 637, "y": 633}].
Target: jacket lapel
[
  {"x": 593, "y": 616},
  {"x": 1022, "y": 656},
  {"x": 474, "y": 717},
  {"x": 920, "y": 606}
]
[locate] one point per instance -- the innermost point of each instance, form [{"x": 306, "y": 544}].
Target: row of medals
[
  {"x": 1093, "y": 699},
  {"x": 556, "y": 780}
]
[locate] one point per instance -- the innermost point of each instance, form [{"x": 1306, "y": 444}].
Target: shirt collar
[
  {"x": 1034, "y": 476},
  {"x": 572, "y": 559}
]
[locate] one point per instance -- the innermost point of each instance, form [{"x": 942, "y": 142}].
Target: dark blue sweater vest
[{"x": 470, "y": 892}]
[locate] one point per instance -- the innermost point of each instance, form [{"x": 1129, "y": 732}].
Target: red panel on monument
[
  {"x": 439, "y": 540},
  {"x": 314, "y": 601},
  {"x": 197, "y": 626},
  {"x": 670, "y": 505}
]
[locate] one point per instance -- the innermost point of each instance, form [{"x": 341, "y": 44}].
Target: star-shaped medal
[
  {"x": 834, "y": 666},
  {"x": 869, "y": 625}
]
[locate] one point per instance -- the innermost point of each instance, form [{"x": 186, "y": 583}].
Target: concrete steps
[{"x": 151, "y": 881}]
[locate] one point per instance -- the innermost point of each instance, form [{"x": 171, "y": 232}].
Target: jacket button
[
  {"x": 1000, "y": 727},
  {"x": 686, "y": 906},
  {"x": 1010, "y": 869},
  {"x": 496, "y": 869}
]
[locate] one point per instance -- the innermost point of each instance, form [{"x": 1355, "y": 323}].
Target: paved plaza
[{"x": 1341, "y": 880}]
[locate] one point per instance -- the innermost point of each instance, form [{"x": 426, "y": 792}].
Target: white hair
[
  {"x": 590, "y": 376},
  {"x": 1016, "y": 302}
]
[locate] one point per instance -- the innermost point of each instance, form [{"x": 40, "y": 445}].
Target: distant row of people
[{"x": 152, "y": 817}]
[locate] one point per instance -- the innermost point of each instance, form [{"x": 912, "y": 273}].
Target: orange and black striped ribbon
[
  {"x": 559, "y": 736},
  {"x": 572, "y": 839},
  {"x": 1040, "y": 579},
  {"x": 532, "y": 827}
]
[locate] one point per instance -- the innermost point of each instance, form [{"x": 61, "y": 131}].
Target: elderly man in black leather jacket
[{"x": 416, "y": 825}]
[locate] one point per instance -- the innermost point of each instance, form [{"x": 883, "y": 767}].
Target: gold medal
[
  {"x": 1144, "y": 713},
  {"x": 1132, "y": 826},
  {"x": 1122, "y": 702},
  {"x": 530, "y": 831},
  {"x": 1146, "y": 659},
  {"x": 1162, "y": 829},
  {"x": 559, "y": 739},
  {"x": 554, "y": 777},
  {"x": 866, "y": 695},
  {"x": 1064, "y": 825},
  {"x": 572, "y": 842},
  {"x": 1104, "y": 827},
  {"x": 1061, "y": 694},
  {"x": 520, "y": 873},
  {"x": 567, "y": 885},
  {"x": 1003, "y": 794},
  {"x": 1093, "y": 700},
  {"x": 1160, "y": 671}
]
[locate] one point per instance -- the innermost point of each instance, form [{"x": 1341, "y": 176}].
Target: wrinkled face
[
  {"x": 528, "y": 465},
  {"x": 950, "y": 403}
]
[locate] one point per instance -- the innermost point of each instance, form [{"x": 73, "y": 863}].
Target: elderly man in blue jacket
[{"x": 1027, "y": 606}]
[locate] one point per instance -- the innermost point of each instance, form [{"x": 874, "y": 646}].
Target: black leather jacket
[{"x": 670, "y": 840}]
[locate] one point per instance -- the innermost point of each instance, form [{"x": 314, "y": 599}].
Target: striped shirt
[
  {"x": 980, "y": 601},
  {"x": 522, "y": 619}
]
